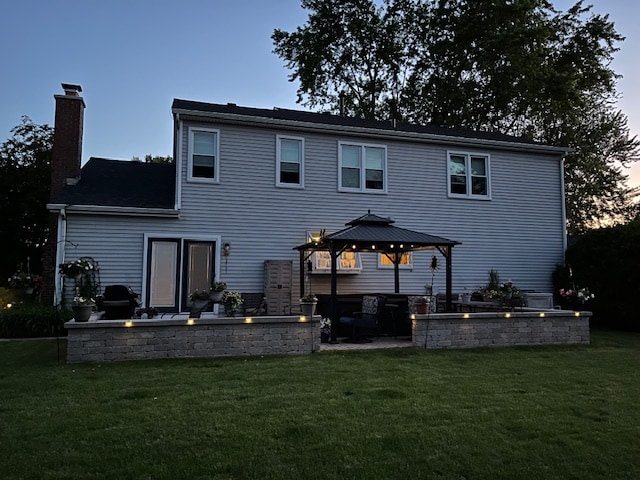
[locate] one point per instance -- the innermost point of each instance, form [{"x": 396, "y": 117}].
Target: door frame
[{"x": 181, "y": 239}]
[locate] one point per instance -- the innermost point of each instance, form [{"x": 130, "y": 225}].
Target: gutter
[
  {"x": 239, "y": 119},
  {"x": 112, "y": 210},
  {"x": 61, "y": 240}
]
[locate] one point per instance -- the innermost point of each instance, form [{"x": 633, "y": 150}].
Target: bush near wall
[
  {"x": 607, "y": 261},
  {"x": 29, "y": 320}
]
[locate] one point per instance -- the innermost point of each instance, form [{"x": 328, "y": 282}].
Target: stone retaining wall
[
  {"x": 111, "y": 340},
  {"x": 472, "y": 330}
]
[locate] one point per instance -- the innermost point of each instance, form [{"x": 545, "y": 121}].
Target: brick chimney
[
  {"x": 65, "y": 169},
  {"x": 67, "y": 138}
]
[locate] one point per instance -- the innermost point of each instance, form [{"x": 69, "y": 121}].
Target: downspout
[
  {"x": 61, "y": 241},
  {"x": 564, "y": 211}
]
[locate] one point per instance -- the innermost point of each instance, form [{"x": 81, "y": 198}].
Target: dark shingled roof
[
  {"x": 338, "y": 120},
  {"x": 118, "y": 183}
]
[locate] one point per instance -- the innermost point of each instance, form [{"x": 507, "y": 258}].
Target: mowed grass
[{"x": 508, "y": 413}]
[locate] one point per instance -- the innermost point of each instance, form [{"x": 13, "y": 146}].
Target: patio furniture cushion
[{"x": 368, "y": 318}]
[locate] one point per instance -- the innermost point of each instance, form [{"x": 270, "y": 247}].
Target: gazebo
[{"x": 372, "y": 233}]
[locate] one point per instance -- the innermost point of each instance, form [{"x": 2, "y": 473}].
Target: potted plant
[
  {"x": 422, "y": 305},
  {"x": 82, "y": 308},
  {"x": 574, "y": 298},
  {"x": 146, "y": 312},
  {"x": 200, "y": 298},
  {"x": 76, "y": 268},
  {"x": 308, "y": 304},
  {"x": 217, "y": 290},
  {"x": 231, "y": 301},
  {"x": 325, "y": 330},
  {"x": 25, "y": 282}
]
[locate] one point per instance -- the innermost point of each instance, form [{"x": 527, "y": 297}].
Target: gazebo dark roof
[{"x": 374, "y": 233}]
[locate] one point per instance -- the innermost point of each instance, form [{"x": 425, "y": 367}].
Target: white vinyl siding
[
  {"x": 362, "y": 168},
  {"x": 203, "y": 159},
  {"x": 519, "y": 232},
  {"x": 468, "y": 175},
  {"x": 289, "y": 161}
]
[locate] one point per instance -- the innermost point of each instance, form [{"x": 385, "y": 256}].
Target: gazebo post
[
  {"x": 448, "y": 270},
  {"x": 396, "y": 272},
  {"x": 334, "y": 292},
  {"x": 302, "y": 255}
]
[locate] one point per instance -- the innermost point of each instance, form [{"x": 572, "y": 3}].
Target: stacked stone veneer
[
  {"x": 113, "y": 340},
  {"x": 453, "y": 330}
]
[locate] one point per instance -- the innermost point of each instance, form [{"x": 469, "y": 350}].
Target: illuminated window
[
  {"x": 406, "y": 260},
  {"x": 349, "y": 262}
]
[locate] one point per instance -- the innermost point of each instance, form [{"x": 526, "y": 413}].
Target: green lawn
[{"x": 535, "y": 413}]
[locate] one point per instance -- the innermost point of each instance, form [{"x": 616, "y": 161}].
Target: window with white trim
[
  {"x": 468, "y": 175},
  {"x": 289, "y": 161},
  {"x": 385, "y": 261},
  {"x": 348, "y": 262},
  {"x": 362, "y": 168},
  {"x": 203, "y": 160}
]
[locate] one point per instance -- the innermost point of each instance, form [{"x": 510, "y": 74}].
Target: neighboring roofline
[
  {"x": 113, "y": 210},
  {"x": 261, "y": 121}
]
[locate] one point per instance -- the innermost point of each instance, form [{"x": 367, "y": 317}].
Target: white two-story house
[{"x": 249, "y": 184}]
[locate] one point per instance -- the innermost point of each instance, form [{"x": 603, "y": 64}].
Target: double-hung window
[
  {"x": 468, "y": 175},
  {"x": 289, "y": 161},
  {"x": 203, "y": 160},
  {"x": 362, "y": 168},
  {"x": 386, "y": 261}
]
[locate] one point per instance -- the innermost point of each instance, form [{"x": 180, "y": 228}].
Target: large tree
[
  {"x": 517, "y": 67},
  {"x": 25, "y": 162}
]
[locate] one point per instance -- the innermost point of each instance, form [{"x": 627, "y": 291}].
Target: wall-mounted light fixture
[{"x": 226, "y": 251}]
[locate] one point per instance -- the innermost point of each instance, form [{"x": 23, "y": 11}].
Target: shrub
[
  {"x": 28, "y": 320},
  {"x": 607, "y": 260}
]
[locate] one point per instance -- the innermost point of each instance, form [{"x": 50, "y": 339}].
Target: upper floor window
[
  {"x": 469, "y": 175},
  {"x": 362, "y": 168},
  {"x": 203, "y": 157},
  {"x": 289, "y": 161}
]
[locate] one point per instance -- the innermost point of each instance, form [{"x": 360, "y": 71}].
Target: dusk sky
[{"x": 133, "y": 57}]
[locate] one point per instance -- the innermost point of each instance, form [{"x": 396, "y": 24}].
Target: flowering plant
[
  {"x": 75, "y": 267},
  {"x": 199, "y": 295},
  {"x": 150, "y": 312},
  {"x": 83, "y": 301},
  {"x": 576, "y": 294},
  {"x": 325, "y": 325},
  {"x": 218, "y": 286},
  {"x": 24, "y": 280},
  {"x": 232, "y": 300},
  {"x": 310, "y": 298}
]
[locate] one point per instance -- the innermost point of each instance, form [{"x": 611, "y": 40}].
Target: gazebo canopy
[{"x": 372, "y": 233}]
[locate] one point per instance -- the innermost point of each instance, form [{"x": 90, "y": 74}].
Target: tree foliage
[
  {"x": 607, "y": 261},
  {"x": 25, "y": 162},
  {"x": 517, "y": 67}
]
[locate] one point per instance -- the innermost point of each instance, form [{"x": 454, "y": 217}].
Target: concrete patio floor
[{"x": 376, "y": 343}]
